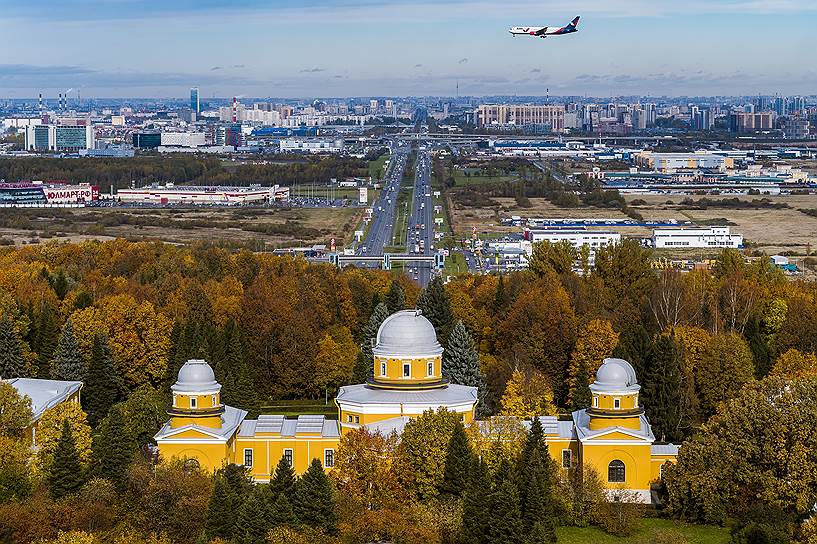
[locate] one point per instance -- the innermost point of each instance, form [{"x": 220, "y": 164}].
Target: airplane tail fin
[{"x": 575, "y": 22}]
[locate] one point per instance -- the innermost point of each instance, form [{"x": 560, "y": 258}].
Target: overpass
[{"x": 437, "y": 260}]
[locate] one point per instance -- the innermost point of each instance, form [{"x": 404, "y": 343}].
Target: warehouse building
[{"x": 702, "y": 238}]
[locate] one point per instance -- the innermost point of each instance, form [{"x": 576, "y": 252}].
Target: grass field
[
  {"x": 651, "y": 530},
  {"x": 295, "y": 408},
  {"x": 474, "y": 177},
  {"x": 377, "y": 168},
  {"x": 264, "y": 228}
]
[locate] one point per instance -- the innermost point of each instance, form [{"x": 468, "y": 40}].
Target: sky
[{"x": 339, "y": 48}]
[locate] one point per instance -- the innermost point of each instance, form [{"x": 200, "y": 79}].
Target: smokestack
[
  {"x": 41, "y": 103},
  {"x": 59, "y": 102},
  {"x": 235, "y": 110}
]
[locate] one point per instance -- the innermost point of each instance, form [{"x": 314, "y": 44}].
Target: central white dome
[
  {"x": 407, "y": 333},
  {"x": 615, "y": 375},
  {"x": 196, "y": 376}
]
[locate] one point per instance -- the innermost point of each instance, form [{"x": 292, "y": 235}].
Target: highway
[
  {"x": 379, "y": 234},
  {"x": 421, "y": 222}
]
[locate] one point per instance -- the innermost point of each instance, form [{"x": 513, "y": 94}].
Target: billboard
[
  {"x": 69, "y": 194},
  {"x": 363, "y": 197}
]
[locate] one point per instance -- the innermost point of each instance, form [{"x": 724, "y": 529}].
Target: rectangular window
[
  {"x": 248, "y": 457},
  {"x": 382, "y": 369},
  {"x": 430, "y": 368},
  {"x": 288, "y": 456},
  {"x": 192, "y": 402},
  {"x": 407, "y": 370},
  {"x": 357, "y": 419},
  {"x": 175, "y": 402},
  {"x": 328, "y": 458},
  {"x": 616, "y": 404},
  {"x": 567, "y": 458},
  {"x": 349, "y": 418},
  {"x": 215, "y": 400},
  {"x": 595, "y": 401}
]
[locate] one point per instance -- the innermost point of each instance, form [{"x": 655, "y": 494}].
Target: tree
[
  {"x": 662, "y": 389},
  {"x": 436, "y": 307},
  {"x": 795, "y": 364},
  {"x": 596, "y": 341},
  {"x": 243, "y": 394},
  {"x": 68, "y": 363},
  {"x": 283, "y": 482},
  {"x": 364, "y": 470},
  {"x": 103, "y": 385},
  {"x": 15, "y": 475},
  {"x": 527, "y": 394},
  {"x": 724, "y": 369},
  {"x": 459, "y": 461},
  {"x": 12, "y": 363},
  {"x": 15, "y": 411},
  {"x": 252, "y": 525},
  {"x": 422, "y": 451},
  {"x": 65, "y": 475},
  {"x": 114, "y": 448},
  {"x": 379, "y": 315},
  {"x": 50, "y": 430},
  {"x": 730, "y": 467},
  {"x": 48, "y": 330},
  {"x": 506, "y": 517},
  {"x": 536, "y": 477},
  {"x": 461, "y": 360},
  {"x": 315, "y": 499},
  {"x": 476, "y": 504},
  {"x": 335, "y": 362},
  {"x": 144, "y": 413},
  {"x": 635, "y": 346},
  {"x": 548, "y": 256},
  {"x": 396, "y": 297},
  {"x": 231, "y": 487},
  {"x": 361, "y": 369}
]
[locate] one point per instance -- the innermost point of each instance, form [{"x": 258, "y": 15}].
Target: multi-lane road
[
  {"x": 384, "y": 208},
  {"x": 421, "y": 221}
]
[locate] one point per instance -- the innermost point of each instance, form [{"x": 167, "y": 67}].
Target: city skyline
[{"x": 393, "y": 47}]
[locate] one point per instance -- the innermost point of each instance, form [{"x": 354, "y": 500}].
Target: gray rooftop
[
  {"x": 407, "y": 333},
  {"x": 44, "y": 394},
  {"x": 278, "y": 424},
  {"x": 664, "y": 449},
  {"x": 451, "y": 394},
  {"x": 230, "y": 420},
  {"x": 388, "y": 426},
  {"x": 582, "y": 421}
]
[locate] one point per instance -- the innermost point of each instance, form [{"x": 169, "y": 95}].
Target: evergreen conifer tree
[
  {"x": 67, "y": 363},
  {"x": 461, "y": 360},
  {"x": 12, "y": 364},
  {"x": 475, "y": 505},
  {"x": 506, "y": 517},
  {"x": 45, "y": 343},
  {"x": 635, "y": 346},
  {"x": 102, "y": 384},
  {"x": 114, "y": 448},
  {"x": 251, "y": 526},
  {"x": 283, "y": 481},
  {"x": 662, "y": 389},
  {"x": 281, "y": 512},
  {"x": 231, "y": 487},
  {"x": 436, "y": 307},
  {"x": 536, "y": 477},
  {"x": 379, "y": 315},
  {"x": 315, "y": 499},
  {"x": 65, "y": 476},
  {"x": 395, "y": 298},
  {"x": 361, "y": 369},
  {"x": 581, "y": 394},
  {"x": 243, "y": 393},
  {"x": 60, "y": 284},
  {"x": 459, "y": 460}
]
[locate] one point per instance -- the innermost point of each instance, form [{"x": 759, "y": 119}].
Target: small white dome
[
  {"x": 615, "y": 375},
  {"x": 196, "y": 376},
  {"x": 407, "y": 333}
]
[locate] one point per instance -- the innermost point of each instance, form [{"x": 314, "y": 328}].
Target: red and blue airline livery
[{"x": 545, "y": 31}]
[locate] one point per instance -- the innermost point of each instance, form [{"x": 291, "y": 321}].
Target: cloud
[
  {"x": 312, "y": 70},
  {"x": 214, "y": 68},
  {"x": 238, "y": 66},
  {"x": 536, "y": 71},
  {"x": 418, "y": 65},
  {"x": 463, "y": 61}
]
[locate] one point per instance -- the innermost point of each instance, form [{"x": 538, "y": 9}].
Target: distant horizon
[{"x": 350, "y": 48}]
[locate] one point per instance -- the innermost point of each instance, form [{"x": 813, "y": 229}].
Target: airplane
[{"x": 545, "y": 31}]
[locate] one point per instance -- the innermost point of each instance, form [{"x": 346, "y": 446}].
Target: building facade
[
  {"x": 522, "y": 115},
  {"x": 712, "y": 237},
  {"x": 613, "y": 435},
  {"x": 59, "y": 137}
]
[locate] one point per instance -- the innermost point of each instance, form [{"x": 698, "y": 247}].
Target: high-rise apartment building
[
  {"x": 194, "y": 100},
  {"x": 552, "y": 116}
]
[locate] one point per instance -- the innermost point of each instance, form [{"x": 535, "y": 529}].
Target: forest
[
  {"x": 181, "y": 169},
  {"x": 725, "y": 357}
]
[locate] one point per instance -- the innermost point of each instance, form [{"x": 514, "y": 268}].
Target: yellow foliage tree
[
  {"x": 139, "y": 337},
  {"x": 335, "y": 362},
  {"x": 73, "y": 537},
  {"x": 49, "y": 429},
  {"x": 795, "y": 364},
  {"x": 527, "y": 394},
  {"x": 694, "y": 341},
  {"x": 595, "y": 342},
  {"x": 497, "y": 438}
]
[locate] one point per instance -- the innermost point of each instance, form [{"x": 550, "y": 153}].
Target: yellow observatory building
[{"x": 613, "y": 435}]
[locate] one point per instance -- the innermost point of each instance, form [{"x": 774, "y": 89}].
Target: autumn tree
[
  {"x": 15, "y": 475},
  {"x": 50, "y": 430},
  {"x": 379, "y": 315},
  {"x": 557, "y": 257},
  {"x": 15, "y": 411},
  {"x": 364, "y": 470},
  {"x": 526, "y": 395},
  {"x": 68, "y": 363},
  {"x": 724, "y": 369},
  {"x": 47, "y": 333},
  {"x": 422, "y": 452},
  {"x": 795, "y": 364},
  {"x": 334, "y": 365},
  {"x": 12, "y": 363},
  {"x": 595, "y": 342}
]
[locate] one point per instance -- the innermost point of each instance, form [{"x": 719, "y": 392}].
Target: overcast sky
[{"x": 318, "y": 48}]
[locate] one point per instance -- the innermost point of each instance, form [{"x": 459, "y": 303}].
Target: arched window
[{"x": 615, "y": 472}]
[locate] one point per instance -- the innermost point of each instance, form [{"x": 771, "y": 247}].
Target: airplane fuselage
[{"x": 545, "y": 31}]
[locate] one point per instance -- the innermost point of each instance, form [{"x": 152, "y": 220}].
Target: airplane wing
[{"x": 542, "y": 31}]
